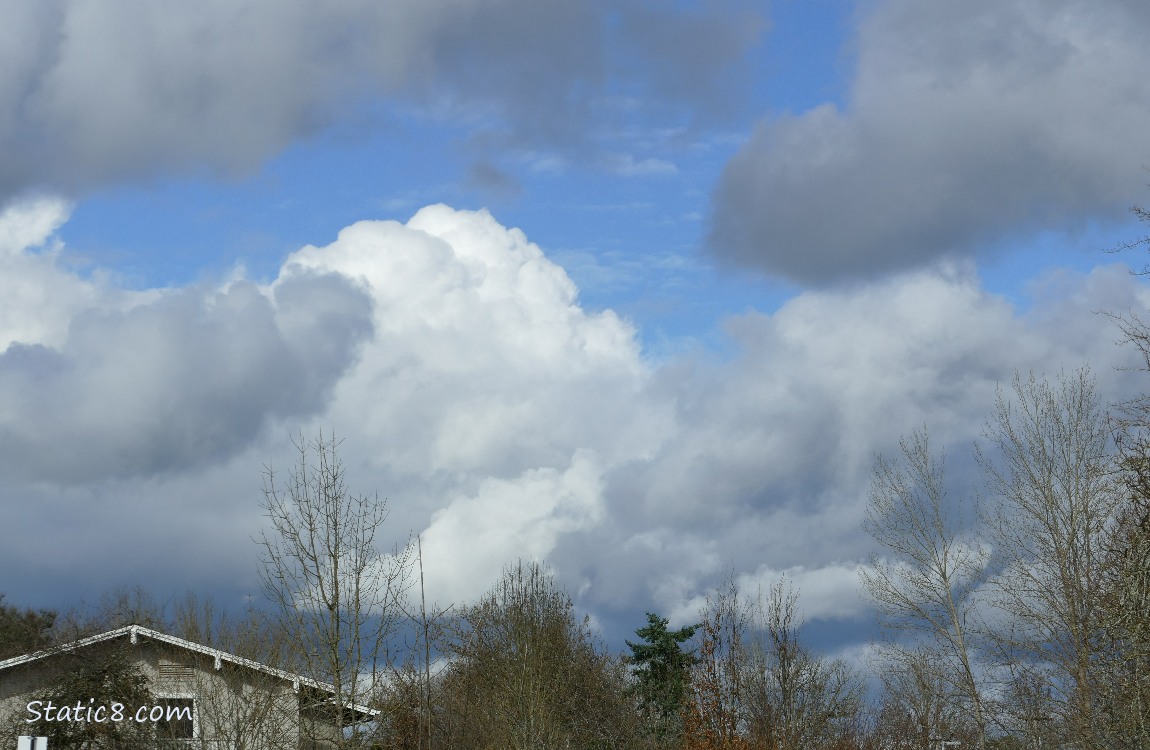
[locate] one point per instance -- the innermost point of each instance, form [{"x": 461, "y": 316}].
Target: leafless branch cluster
[{"x": 1022, "y": 615}]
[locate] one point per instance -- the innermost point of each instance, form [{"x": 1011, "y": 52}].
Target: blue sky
[{"x": 695, "y": 265}]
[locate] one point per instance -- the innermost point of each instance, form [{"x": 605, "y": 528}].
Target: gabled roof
[{"x": 136, "y": 632}]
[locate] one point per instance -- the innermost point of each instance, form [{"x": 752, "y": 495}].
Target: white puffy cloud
[
  {"x": 965, "y": 125},
  {"x": 94, "y": 92},
  {"x": 502, "y": 420},
  {"x": 483, "y": 359},
  {"x": 831, "y": 591},
  {"x": 827, "y": 592},
  {"x": 37, "y": 298},
  {"x": 489, "y": 403},
  {"x": 451, "y": 355},
  {"x": 468, "y": 542}
]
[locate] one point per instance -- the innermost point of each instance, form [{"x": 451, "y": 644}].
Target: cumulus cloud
[
  {"x": 827, "y": 592},
  {"x": 963, "y": 125},
  {"x": 106, "y": 384},
  {"x": 491, "y": 401},
  {"x": 502, "y": 420},
  {"x": 469, "y": 541},
  {"x": 92, "y": 92},
  {"x": 767, "y": 461},
  {"x": 471, "y": 389},
  {"x": 37, "y": 297},
  {"x": 483, "y": 360}
]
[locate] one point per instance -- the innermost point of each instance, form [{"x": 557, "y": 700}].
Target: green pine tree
[{"x": 662, "y": 675}]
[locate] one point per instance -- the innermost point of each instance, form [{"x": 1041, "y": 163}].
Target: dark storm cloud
[
  {"x": 175, "y": 383},
  {"x": 94, "y": 92},
  {"x": 966, "y": 124}
]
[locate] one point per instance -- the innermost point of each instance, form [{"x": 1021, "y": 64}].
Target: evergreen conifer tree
[{"x": 662, "y": 673}]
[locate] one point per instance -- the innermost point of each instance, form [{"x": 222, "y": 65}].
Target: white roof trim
[{"x": 218, "y": 656}]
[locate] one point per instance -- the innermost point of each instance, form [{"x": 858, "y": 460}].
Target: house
[{"x": 199, "y": 696}]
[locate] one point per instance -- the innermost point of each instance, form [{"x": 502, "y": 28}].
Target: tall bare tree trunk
[
  {"x": 1052, "y": 471},
  {"x": 336, "y": 594},
  {"x": 926, "y": 585}
]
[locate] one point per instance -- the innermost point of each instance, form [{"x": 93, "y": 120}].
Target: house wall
[{"x": 237, "y": 708}]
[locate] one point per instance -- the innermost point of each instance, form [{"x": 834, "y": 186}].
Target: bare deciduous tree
[
  {"x": 238, "y": 706},
  {"x": 1051, "y": 471},
  {"x": 756, "y": 687},
  {"x": 919, "y": 705},
  {"x": 24, "y": 631},
  {"x": 926, "y": 587},
  {"x": 243, "y": 709},
  {"x": 714, "y": 718},
  {"x": 1122, "y": 683},
  {"x": 408, "y": 702},
  {"x": 1122, "y": 675},
  {"x": 335, "y": 592},
  {"x": 528, "y": 675},
  {"x": 795, "y": 699}
]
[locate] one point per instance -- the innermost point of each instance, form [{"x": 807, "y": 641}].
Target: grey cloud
[
  {"x": 967, "y": 125},
  {"x": 92, "y": 93},
  {"x": 769, "y": 456},
  {"x": 176, "y": 383},
  {"x": 485, "y": 176},
  {"x": 699, "y": 59}
]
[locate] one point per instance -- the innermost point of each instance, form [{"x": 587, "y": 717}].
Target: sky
[{"x": 637, "y": 288}]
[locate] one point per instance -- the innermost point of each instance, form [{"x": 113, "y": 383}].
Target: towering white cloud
[
  {"x": 482, "y": 356},
  {"x": 499, "y": 418}
]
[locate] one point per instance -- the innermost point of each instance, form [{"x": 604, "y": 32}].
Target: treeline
[{"x": 516, "y": 669}]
